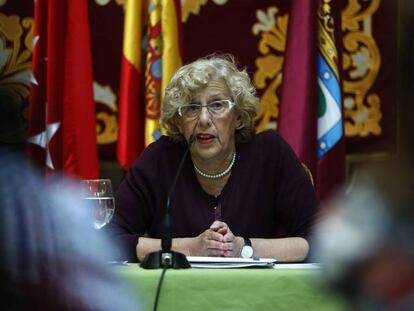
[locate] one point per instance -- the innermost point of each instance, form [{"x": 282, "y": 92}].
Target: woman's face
[{"x": 214, "y": 135}]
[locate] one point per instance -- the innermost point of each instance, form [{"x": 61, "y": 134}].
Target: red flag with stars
[{"x": 62, "y": 130}]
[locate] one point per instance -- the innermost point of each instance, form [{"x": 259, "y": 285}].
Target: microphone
[
  {"x": 166, "y": 239},
  {"x": 166, "y": 258}
]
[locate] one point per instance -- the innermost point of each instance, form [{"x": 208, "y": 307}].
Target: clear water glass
[{"x": 100, "y": 200}]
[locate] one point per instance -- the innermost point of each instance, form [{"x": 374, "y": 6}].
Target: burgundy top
[{"x": 268, "y": 189}]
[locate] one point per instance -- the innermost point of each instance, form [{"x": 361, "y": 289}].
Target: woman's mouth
[{"x": 205, "y": 139}]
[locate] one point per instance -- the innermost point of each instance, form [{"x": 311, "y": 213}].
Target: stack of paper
[{"x": 229, "y": 262}]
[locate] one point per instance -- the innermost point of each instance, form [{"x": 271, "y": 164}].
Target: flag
[
  {"x": 330, "y": 133},
  {"x": 130, "y": 112},
  {"x": 311, "y": 105},
  {"x": 62, "y": 130},
  {"x": 152, "y": 52}
]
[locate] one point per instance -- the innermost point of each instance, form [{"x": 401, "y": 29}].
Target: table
[{"x": 231, "y": 289}]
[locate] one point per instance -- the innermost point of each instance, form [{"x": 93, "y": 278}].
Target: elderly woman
[{"x": 237, "y": 189}]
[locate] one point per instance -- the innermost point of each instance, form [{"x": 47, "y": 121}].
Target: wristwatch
[{"x": 247, "y": 249}]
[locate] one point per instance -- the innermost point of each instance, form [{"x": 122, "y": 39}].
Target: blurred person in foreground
[
  {"x": 51, "y": 257},
  {"x": 366, "y": 242},
  {"x": 236, "y": 188}
]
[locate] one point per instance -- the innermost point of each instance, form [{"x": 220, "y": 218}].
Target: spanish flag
[{"x": 152, "y": 52}]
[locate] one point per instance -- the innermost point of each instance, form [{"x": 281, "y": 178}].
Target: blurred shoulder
[{"x": 16, "y": 169}]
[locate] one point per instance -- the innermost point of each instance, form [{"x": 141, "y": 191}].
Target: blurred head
[
  {"x": 365, "y": 243},
  {"x": 194, "y": 84},
  {"x": 13, "y": 125}
]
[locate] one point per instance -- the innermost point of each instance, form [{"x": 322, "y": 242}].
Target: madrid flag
[
  {"x": 62, "y": 130},
  {"x": 311, "y": 103}
]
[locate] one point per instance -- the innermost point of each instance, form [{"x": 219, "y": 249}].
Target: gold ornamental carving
[
  {"x": 15, "y": 66},
  {"x": 271, "y": 27},
  {"x": 105, "y": 2},
  {"x": 106, "y": 122},
  {"x": 361, "y": 64},
  {"x": 194, "y": 6}
]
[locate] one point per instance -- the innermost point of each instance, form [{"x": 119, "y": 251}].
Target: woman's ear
[{"x": 239, "y": 122}]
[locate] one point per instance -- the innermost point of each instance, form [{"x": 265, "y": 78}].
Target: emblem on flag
[{"x": 330, "y": 129}]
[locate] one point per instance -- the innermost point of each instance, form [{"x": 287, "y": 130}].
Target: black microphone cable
[
  {"x": 166, "y": 242},
  {"x": 166, "y": 239},
  {"x": 157, "y": 296}
]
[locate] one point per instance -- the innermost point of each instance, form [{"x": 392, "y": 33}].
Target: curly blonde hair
[{"x": 194, "y": 76}]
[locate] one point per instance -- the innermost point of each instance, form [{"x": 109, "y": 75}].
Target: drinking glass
[{"x": 100, "y": 199}]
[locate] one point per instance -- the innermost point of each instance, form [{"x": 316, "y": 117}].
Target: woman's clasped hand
[{"x": 217, "y": 240}]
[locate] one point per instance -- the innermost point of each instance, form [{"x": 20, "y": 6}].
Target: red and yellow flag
[
  {"x": 151, "y": 55},
  {"x": 130, "y": 116}
]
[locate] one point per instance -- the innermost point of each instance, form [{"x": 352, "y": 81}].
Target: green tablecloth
[{"x": 231, "y": 289}]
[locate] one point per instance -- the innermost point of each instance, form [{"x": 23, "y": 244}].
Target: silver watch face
[{"x": 247, "y": 251}]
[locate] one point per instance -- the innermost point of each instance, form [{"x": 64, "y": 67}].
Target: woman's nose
[{"x": 205, "y": 116}]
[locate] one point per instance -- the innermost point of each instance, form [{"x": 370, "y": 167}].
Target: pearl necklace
[{"x": 219, "y": 175}]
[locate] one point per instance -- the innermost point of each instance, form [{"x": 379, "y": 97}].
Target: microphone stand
[{"x": 166, "y": 258}]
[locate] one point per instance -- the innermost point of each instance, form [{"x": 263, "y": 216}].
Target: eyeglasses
[{"x": 216, "y": 108}]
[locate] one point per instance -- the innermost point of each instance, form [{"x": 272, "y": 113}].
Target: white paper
[
  {"x": 229, "y": 262},
  {"x": 297, "y": 266}
]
